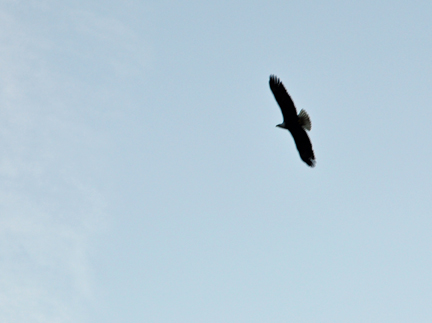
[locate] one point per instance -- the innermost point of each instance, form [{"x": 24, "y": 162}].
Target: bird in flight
[{"x": 296, "y": 124}]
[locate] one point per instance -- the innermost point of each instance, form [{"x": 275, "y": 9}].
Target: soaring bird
[{"x": 296, "y": 124}]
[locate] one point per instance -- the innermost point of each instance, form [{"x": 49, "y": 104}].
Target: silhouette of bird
[{"x": 295, "y": 124}]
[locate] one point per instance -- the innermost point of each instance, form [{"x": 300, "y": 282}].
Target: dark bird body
[{"x": 295, "y": 124}]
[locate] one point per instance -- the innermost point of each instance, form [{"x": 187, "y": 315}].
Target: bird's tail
[{"x": 304, "y": 120}]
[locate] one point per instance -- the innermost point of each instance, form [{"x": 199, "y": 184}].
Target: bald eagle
[{"x": 296, "y": 124}]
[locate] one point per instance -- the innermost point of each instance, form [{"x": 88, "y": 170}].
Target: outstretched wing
[
  {"x": 304, "y": 145},
  {"x": 282, "y": 97}
]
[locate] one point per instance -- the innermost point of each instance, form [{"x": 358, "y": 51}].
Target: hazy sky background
[{"x": 143, "y": 178}]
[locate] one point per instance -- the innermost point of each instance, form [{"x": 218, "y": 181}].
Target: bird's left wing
[{"x": 282, "y": 97}]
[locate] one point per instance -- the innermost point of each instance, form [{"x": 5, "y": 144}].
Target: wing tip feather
[{"x": 274, "y": 79}]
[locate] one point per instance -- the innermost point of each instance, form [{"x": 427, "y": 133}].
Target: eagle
[{"x": 295, "y": 124}]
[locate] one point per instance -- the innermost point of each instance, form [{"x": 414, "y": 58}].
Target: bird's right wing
[
  {"x": 282, "y": 97},
  {"x": 304, "y": 146}
]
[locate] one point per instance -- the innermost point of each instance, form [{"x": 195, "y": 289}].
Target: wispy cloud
[{"x": 49, "y": 211}]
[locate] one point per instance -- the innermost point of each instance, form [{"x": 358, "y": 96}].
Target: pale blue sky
[{"x": 143, "y": 178}]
